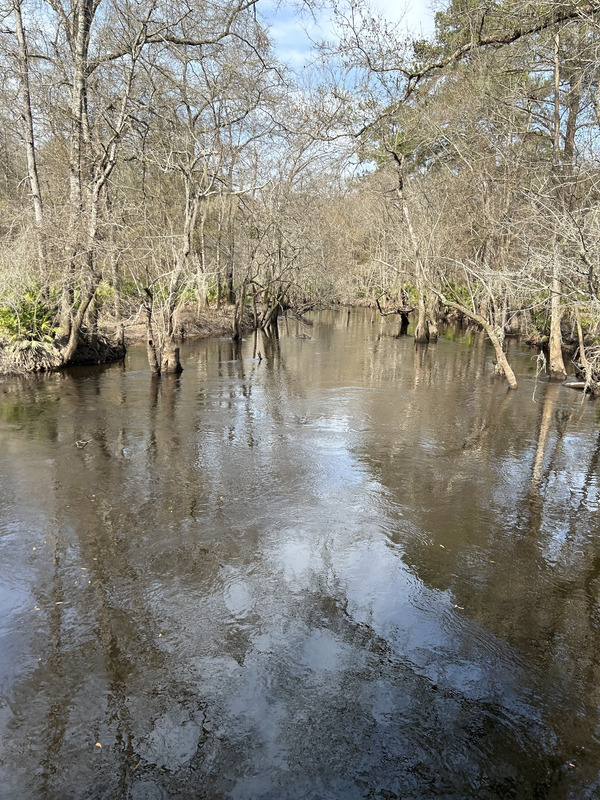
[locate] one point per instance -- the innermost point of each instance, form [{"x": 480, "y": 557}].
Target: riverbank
[
  {"x": 26, "y": 357},
  {"x": 191, "y": 324}
]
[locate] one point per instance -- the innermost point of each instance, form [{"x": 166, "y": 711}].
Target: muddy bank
[
  {"x": 190, "y": 325},
  {"x": 104, "y": 348}
]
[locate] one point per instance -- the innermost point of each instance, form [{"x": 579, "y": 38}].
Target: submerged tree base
[
  {"x": 20, "y": 358},
  {"x": 99, "y": 351}
]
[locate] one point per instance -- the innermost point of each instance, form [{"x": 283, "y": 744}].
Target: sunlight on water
[{"x": 351, "y": 570}]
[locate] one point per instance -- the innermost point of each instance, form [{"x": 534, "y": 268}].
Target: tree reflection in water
[{"x": 350, "y": 569}]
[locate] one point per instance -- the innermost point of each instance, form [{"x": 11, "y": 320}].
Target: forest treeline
[{"x": 158, "y": 160}]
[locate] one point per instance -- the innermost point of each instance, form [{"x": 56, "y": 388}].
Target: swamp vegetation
[{"x": 158, "y": 161}]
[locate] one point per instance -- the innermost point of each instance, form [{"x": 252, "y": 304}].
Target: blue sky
[{"x": 292, "y": 34}]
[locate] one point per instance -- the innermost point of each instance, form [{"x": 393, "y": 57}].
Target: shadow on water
[{"x": 347, "y": 568}]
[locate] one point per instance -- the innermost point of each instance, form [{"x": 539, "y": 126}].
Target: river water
[{"x": 352, "y": 569}]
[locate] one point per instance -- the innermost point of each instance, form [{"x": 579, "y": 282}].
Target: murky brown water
[{"x": 353, "y": 570}]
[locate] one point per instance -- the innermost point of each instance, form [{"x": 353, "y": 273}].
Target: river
[{"x": 352, "y": 569}]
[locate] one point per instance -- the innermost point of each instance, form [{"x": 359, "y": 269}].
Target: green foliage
[
  {"x": 38, "y": 350},
  {"x": 410, "y": 294},
  {"x": 211, "y": 292},
  {"x": 589, "y": 326},
  {"x": 541, "y": 322},
  {"x": 187, "y": 294},
  {"x": 29, "y": 318},
  {"x": 104, "y": 293},
  {"x": 460, "y": 293},
  {"x": 128, "y": 288},
  {"x": 540, "y": 316},
  {"x": 461, "y": 20},
  {"x": 402, "y": 136},
  {"x": 253, "y": 232}
]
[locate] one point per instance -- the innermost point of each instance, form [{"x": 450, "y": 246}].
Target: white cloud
[
  {"x": 292, "y": 34},
  {"x": 417, "y": 15}
]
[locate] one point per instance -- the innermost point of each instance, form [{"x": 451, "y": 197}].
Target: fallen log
[{"x": 581, "y": 385}]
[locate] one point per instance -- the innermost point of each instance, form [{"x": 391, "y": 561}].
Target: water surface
[{"x": 354, "y": 569}]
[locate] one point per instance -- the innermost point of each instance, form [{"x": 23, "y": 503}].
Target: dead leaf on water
[
  {"x": 60, "y": 602},
  {"x": 442, "y": 546}
]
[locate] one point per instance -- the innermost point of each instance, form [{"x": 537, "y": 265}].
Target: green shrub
[{"x": 28, "y": 318}]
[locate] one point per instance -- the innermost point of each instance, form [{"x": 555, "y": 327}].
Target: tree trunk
[
  {"x": 201, "y": 272},
  {"x": 238, "y": 314},
  {"x": 591, "y": 384},
  {"x": 404, "y": 323},
  {"x": 30, "y": 150},
  {"x": 92, "y": 323},
  {"x": 75, "y": 323},
  {"x": 218, "y": 253},
  {"x": 271, "y": 327},
  {"x": 573, "y": 105},
  {"x": 82, "y": 21},
  {"x": 170, "y": 363},
  {"x": 433, "y": 330},
  {"x": 151, "y": 350},
  {"x": 230, "y": 263},
  {"x": 502, "y": 366},
  {"x": 219, "y": 298},
  {"x": 557, "y": 365},
  {"x": 116, "y": 288},
  {"x": 421, "y": 331},
  {"x": 150, "y": 341}
]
